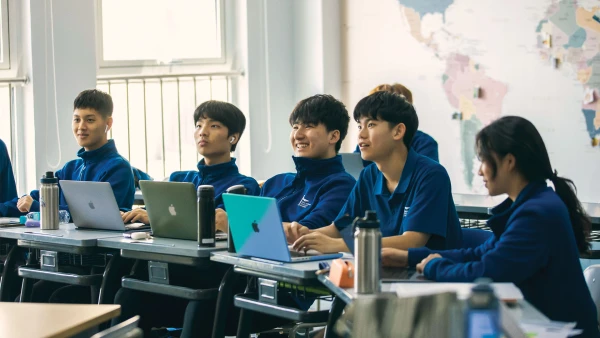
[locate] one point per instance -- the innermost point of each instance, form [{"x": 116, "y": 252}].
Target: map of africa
[{"x": 566, "y": 39}]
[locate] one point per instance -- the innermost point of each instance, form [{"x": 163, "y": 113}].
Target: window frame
[
  {"x": 5, "y": 63},
  {"x": 150, "y": 63}
]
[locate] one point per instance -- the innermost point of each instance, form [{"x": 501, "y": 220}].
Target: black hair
[
  {"x": 392, "y": 108},
  {"x": 94, "y": 99},
  {"x": 322, "y": 108},
  {"x": 225, "y": 113},
  {"x": 519, "y": 137}
]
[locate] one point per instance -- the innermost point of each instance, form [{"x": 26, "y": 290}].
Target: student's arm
[
  {"x": 416, "y": 255},
  {"x": 326, "y": 239},
  {"x": 120, "y": 178},
  {"x": 409, "y": 239},
  {"x": 521, "y": 251},
  {"x": 35, "y": 195},
  {"x": 329, "y": 203}
]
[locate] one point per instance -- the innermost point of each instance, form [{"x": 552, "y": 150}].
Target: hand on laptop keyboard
[{"x": 136, "y": 215}]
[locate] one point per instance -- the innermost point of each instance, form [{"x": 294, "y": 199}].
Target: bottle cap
[
  {"x": 206, "y": 191},
  {"x": 370, "y": 221},
  {"x": 49, "y": 178}
]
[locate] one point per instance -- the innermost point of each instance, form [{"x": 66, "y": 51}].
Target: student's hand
[
  {"x": 421, "y": 266},
  {"x": 136, "y": 215},
  {"x": 394, "y": 257},
  {"x": 24, "y": 203},
  {"x": 318, "y": 241},
  {"x": 294, "y": 230},
  {"x": 221, "y": 220}
]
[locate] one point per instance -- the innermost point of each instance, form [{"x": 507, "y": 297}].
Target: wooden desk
[{"x": 52, "y": 320}]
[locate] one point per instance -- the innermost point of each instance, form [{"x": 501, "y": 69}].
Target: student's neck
[
  {"x": 217, "y": 159},
  {"x": 392, "y": 167},
  {"x": 96, "y": 146},
  {"x": 515, "y": 188}
]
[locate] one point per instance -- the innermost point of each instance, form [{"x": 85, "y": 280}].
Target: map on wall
[{"x": 568, "y": 40}]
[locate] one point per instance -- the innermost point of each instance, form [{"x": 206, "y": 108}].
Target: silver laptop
[
  {"x": 172, "y": 209},
  {"x": 93, "y": 205},
  {"x": 353, "y": 163}
]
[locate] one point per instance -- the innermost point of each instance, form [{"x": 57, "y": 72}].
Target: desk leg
[
  {"x": 27, "y": 284},
  {"x": 337, "y": 307},
  {"x": 9, "y": 274},
  {"x": 224, "y": 300},
  {"x": 116, "y": 268},
  {"x": 244, "y": 324}
]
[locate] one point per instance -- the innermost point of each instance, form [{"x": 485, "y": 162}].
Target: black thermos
[
  {"x": 206, "y": 216},
  {"x": 240, "y": 190}
]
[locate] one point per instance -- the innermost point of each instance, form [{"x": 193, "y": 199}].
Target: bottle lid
[
  {"x": 370, "y": 221},
  {"x": 206, "y": 191},
  {"x": 237, "y": 189},
  {"x": 49, "y": 178}
]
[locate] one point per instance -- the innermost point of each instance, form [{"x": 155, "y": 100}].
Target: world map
[{"x": 567, "y": 36}]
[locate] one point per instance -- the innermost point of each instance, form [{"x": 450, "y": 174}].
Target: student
[
  {"x": 315, "y": 193},
  {"x": 410, "y": 192},
  {"x": 219, "y": 126},
  {"x": 422, "y": 143},
  {"x": 98, "y": 159},
  {"x": 8, "y": 188},
  {"x": 538, "y": 232}
]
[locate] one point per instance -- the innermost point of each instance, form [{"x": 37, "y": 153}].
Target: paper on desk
[
  {"x": 504, "y": 291},
  {"x": 550, "y": 329}
]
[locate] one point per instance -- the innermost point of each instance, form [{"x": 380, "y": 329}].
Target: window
[
  {"x": 4, "y": 40},
  {"x": 6, "y": 116},
  {"x": 155, "y": 32}
]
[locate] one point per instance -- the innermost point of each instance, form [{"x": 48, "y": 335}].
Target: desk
[{"x": 52, "y": 320}]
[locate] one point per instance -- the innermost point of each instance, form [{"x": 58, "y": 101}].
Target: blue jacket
[
  {"x": 534, "y": 247},
  {"x": 8, "y": 189},
  {"x": 101, "y": 165},
  {"x": 312, "y": 196},
  {"x": 422, "y": 143},
  {"x": 221, "y": 176}
]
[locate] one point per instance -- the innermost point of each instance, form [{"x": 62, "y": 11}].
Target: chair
[
  {"x": 473, "y": 238},
  {"x": 126, "y": 329},
  {"x": 592, "y": 279}
]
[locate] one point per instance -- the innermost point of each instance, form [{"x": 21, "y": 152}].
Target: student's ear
[
  {"x": 234, "y": 138},
  {"x": 399, "y": 131},
  {"x": 109, "y": 123},
  {"x": 510, "y": 161},
  {"x": 334, "y": 136}
]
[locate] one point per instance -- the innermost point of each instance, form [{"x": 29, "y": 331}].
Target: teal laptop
[{"x": 256, "y": 227}]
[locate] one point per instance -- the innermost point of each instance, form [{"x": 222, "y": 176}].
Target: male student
[
  {"x": 410, "y": 192},
  {"x": 8, "y": 189},
  {"x": 422, "y": 143},
  {"x": 98, "y": 159},
  {"x": 315, "y": 193},
  {"x": 219, "y": 126}
]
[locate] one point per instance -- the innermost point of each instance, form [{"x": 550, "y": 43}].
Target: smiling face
[
  {"x": 313, "y": 141},
  {"x": 212, "y": 138},
  {"x": 377, "y": 139},
  {"x": 90, "y": 128}
]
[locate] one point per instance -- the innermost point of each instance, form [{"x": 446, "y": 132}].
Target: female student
[{"x": 538, "y": 232}]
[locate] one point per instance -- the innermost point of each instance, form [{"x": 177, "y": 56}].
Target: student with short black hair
[
  {"x": 422, "y": 142},
  {"x": 8, "y": 188},
  {"x": 219, "y": 126},
  {"x": 315, "y": 193},
  {"x": 410, "y": 192},
  {"x": 538, "y": 232},
  {"x": 99, "y": 160}
]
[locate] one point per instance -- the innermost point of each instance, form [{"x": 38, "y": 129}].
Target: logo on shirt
[
  {"x": 406, "y": 211},
  {"x": 304, "y": 203}
]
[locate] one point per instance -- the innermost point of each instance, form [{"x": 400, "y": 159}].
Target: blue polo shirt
[
  {"x": 221, "y": 176},
  {"x": 421, "y": 202},
  {"x": 8, "y": 189},
  {"x": 422, "y": 143},
  {"x": 534, "y": 247},
  {"x": 312, "y": 196},
  {"x": 101, "y": 165}
]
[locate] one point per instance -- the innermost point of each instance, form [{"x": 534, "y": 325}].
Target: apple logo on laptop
[
  {"x": 172, "y": 210},
  {"x": 255, "y": 227},
  {"x": 91, "y": 205}
]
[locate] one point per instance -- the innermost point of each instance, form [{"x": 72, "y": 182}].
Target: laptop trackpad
[{"x": 294, "y": 253}]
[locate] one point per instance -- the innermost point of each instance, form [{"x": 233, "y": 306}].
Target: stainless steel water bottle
[
  {"x": 367, "y": 254},
  {"x": 240, "y": 190},
  {"x": 206, "y": 216},
  {"x": 49, "y": 202}
]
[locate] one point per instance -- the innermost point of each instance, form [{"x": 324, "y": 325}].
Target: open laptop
[
  {"x": 172, "y": 209},
  {"x": 353, "y": 163},
  {"x": 93, "y": 205},
  {"x": 257, "y": 230}
]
